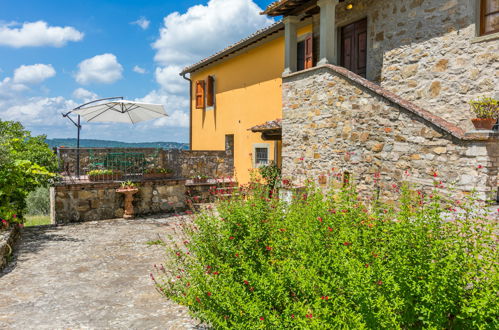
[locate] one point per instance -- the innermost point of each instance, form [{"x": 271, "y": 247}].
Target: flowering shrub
[{"x": 327, "y": 260}]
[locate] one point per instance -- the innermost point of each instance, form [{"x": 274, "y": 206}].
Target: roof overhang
[
  {"x": 271, "y": 130},
  {"x": 287, "y": 7}
]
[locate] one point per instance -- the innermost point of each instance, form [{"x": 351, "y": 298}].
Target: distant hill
[{"x": 87, "y": 143}]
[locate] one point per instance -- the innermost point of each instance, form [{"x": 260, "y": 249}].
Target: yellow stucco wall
[{"x": 248, "y": 93}]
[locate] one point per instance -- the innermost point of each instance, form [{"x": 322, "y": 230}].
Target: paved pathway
[{"x": 93, "y": 275}]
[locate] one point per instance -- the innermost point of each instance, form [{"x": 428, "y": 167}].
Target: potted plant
[
  {"x": 158, "y": 173},
  {"x": 200, "y": 178},
  {"x": 486, "y": 110},
  {"x": 104, "y": 175},
  {"x": 128, "y": 188}
]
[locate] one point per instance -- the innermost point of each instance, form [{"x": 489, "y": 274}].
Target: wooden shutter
[
  {"x": 200, "y": 94},
  {"x": 210, "y": 91},
  {"x": 309, "y": 52},
  {"x": 489, "y": 16}
]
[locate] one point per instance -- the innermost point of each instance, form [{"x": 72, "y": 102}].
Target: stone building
[{"x": 380, "y": 88}]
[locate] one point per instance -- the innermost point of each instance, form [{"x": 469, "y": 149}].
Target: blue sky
[{"x": 55, "y": 55}]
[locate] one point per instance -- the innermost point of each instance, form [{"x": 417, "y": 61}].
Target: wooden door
[{"x": 354, "y": 47}]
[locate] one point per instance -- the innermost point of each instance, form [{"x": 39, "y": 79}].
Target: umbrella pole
[{"x": 78, "y": 149}]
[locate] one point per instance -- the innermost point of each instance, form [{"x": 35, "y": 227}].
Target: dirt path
[{"x": 93, "y": 275}]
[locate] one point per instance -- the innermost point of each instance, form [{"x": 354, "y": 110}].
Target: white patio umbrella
[
  {"x": 116, "y": 110},
  {"x": 121, "y": 111}
]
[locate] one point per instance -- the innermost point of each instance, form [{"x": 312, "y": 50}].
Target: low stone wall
[
  {"x": 336, "y": 122},
  {"x": 100, "y": 201},
  {"x": 7, "y": 240}
]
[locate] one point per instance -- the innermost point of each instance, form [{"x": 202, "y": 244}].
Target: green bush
[
  {"x": 331, "y": 261},
  {"x": 26, "y": 162},
  {"x": 38, "y": 202}
]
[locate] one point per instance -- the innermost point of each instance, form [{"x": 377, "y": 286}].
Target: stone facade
[
  {"x": 99, "y": 201},
  {"x": 426, "y": 51},
  {"x": 336, "y": 122}
]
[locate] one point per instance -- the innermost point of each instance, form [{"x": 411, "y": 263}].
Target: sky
[{"x": 56, "y": 55}]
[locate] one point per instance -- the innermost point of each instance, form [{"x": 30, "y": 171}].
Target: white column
[
  {"x": 327, "y": 53},
  {"x": 290, "y": 44}
]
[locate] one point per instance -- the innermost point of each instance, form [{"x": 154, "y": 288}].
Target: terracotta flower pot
[
  {"x": 128, "y": 192},
  {"x": 484, "y": 123}
]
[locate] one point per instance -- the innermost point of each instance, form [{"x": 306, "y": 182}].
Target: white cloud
[
  {"x": 138, "y": 69},
  {"x": 170, "y": 80},
  {"x": 38, "y": 110},
  {"x": 33, "y": 74},
  {"x": 176, "y": 107},
  {"x": 203, "y": 30},
  {"x": 37, "y": 34},
  {"x": 84, "y": 95},
  {"x": 103, "y": 68},
  {"x": 142, "y": 22}
]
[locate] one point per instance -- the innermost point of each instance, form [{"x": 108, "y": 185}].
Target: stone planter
[
  {"x": 157, "y": 175},
  {"x": 128, "y": 192},
  {"x": 484, "y": 123}
]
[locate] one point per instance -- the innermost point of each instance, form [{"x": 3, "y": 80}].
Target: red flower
[
  {"x": 435, "y": 174},
  {"x": 330, "y": 229},
  {"x": 292, "y": 316},
  {"x": 246, "y": 282},
  {"x": 319, "y": 218},
  {"x": 262, "y": 318},
  {"x": 237, "y": 254},
  {"x": 208, "y": 294},
  {"x": 325, "y": 298},
  {"x": 366, "y": 265},
  {"x": 232, "y": 237},
  {"x": 480, "y": 166},
  {"x": 347, "y": 243},
  {"x": 216, "y": 273},
  {"x": 282, "y": 229},
  {"x": 198, "y": 300},
  {"x": 268, "y": 248},
  {"x": 380, "y": 282}
]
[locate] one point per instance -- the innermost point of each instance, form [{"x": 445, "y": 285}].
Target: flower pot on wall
[{"x": 484, "y": 123}]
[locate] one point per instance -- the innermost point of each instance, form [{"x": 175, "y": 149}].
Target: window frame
[
  {"x": 260, "y": 146},
  {"x": 482, "y": 4}
]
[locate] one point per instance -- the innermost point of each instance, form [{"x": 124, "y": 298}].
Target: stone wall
[
  {"x": 99, "y": 201},
  {"x": 427, "y": 52},
  {"x": 184, "y": 163},
  {"x": 335, "y": 121}
]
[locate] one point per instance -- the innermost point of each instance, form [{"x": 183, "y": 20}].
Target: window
[
  {"x": 210, "y": 91},
  {"x": 260, "y": 154},
  {"x": 305, "y": 56},
  {"x": 200, "y": 94},
  {"x": 489, "y": 16}
]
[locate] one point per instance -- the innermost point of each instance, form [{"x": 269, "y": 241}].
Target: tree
[{"x": 26, "y": 162}]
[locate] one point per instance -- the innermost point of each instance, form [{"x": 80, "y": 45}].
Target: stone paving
[{"x": 92, "y": 275}]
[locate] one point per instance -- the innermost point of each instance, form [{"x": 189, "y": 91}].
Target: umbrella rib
[
  {"x": 128, "y": 113},
  {"x": 159, "y": 113},
  {"x": 90, "y": 119}
]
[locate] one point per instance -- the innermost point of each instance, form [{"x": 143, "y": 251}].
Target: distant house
[{"x": 368, "y": 87}]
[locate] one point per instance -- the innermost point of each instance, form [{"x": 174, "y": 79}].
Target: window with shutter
[
  {"x": 489, "y": 17},
  {"x": 200, "y": 94},
  {"x": 309, "y": 52},
  {"x": 210, "y": 91}
]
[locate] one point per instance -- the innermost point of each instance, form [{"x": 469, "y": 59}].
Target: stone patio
[{"x": 91, "y": 275}]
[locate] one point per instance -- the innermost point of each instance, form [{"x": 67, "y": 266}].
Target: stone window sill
[{"x": 487, "y": 37}]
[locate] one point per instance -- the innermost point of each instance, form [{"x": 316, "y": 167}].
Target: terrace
[{"x": 167, "y": 180}]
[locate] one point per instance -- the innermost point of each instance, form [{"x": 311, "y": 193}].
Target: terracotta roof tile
[{"x": 267, "y": 126}]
